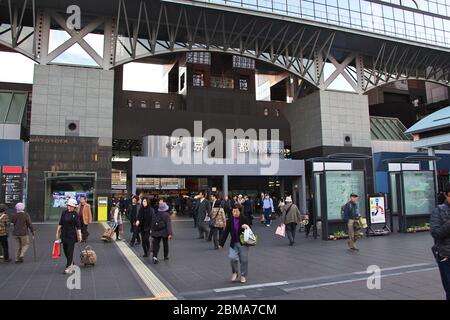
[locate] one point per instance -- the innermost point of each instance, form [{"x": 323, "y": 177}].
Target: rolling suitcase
[{"x": 88, "y": 256}]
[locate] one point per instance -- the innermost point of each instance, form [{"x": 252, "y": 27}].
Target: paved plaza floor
[{"x": 311, "y": 269}]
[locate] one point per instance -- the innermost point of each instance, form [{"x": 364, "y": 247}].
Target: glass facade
[{"x": 425, "y": 21}]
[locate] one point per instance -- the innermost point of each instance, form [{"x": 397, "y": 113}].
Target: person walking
[
  {"x": 220, "y": 220},
  {"x": 4, "y": 230},
  {"x": 69, "y": 232},
  {"x": 268, "y": 209},
  {"x": 203, "y": 211},
  {"x": 227, "y": 206},
  {"x": 440, "y": 231},
  {"x": 144, "y": 223},
  {"x": 238, "y": 253},
  {"x": 350, "y": 214},
  {"x": 117, "y": 219},
  {"x": 85, "y": 214},
  {"x": 290, "y": 216},
  {"x": 161, "y": 229},
  {"x": 249, "y": 209},
  {"x": 132, "y": 212},
  {"x": 22, "y": 223}
]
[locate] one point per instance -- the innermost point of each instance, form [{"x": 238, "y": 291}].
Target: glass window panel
[
  {"x": 5, "y": 101},
  {"x": 321, "y": 11},
  {"x": 377, "y": 10},
  {"x": 343, "y": 4},
  {"x": 17, "y": 107},
  {"x": 388, "y": 12},
  {"x": 398, "y": 14},
  {"x": 354, "y": 5},
  {"x": 428, "y": 21},
  {"x": 332, "y": 3},
  {"x": 409, "y": 16},
  {"x": 367, "y": 21},
  {"x": 419, "y": 193},
  {"x": 365, "y": 7},
  {"x": 438, "y": 23},
  {"x": 355, "y": 18},
  {"x": 293, "y": 6},
  {"x": 332, "y": 14},
  {"x": 320, "y": 1},
  {"x": 279, "y": 5},
  {"x": 418, "y": 19},
  {"x": 432, "y": 7}
]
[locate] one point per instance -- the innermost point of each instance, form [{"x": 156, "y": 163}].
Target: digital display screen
[{"x": 59, "y": 199}]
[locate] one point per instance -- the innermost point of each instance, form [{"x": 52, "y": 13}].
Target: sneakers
[
  {"x": 155, "y": 260},
  {"x": 68, "y": 270},
  {"x": 243, "y": 280},
  {"x": 20, "y": 260},
  {"x": 234, "y": 277},
  {"x": 166, "y": 258}
]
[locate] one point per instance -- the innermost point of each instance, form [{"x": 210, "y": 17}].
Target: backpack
[{"x": 158, "y": 223}]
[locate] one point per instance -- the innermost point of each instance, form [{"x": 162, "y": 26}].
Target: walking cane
[{"x": 34, "y": 247}]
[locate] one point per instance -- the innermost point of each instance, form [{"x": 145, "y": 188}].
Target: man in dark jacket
[
  {"x": 161, "y": 230},
  {"x": 203, "y": 211},
  {"x": 132, "y": 212},
  {"x": 440, "y": 230},
  {"x": 350, "y": 214}
]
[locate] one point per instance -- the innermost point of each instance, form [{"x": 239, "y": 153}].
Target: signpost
[{"x": 12, "y": 185}]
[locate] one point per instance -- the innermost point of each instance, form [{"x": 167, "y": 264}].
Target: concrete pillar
[
  {"x": 302, "y": 193},
  {"x": 225, "y": 186}
]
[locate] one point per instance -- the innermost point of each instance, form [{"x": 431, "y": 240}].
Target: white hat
[
  {"x": 288, "y": 199},
  {"x": 20, "y": 207},
  {"x": 72, "y": 202}
]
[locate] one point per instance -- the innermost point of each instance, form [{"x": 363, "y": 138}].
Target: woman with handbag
[
  {"x": 144, "y": 223},
  {"x": 218, "y": 220},
  {"x": 290, "y": 216},
  {"x": 238, "y": 252},
  {"x": 69, "y": 231}
]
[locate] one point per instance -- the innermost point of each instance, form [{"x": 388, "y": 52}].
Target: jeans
[
  {"x": 68, "y": 248},
  {"x": 4, "y": 242},
  {"x": 156, "y": 241},
  {"x": 134, "y": 235},
  {"x": 216, "y": 235},
  {"x": 290, "y": 231},
  {"x": 444, "y": 269},
  {"x": 267, "y": 215},
  {"x": 145, "y": 241},
  {"x": 22, "y": 245},
  {"x": 239, "y": 255}
]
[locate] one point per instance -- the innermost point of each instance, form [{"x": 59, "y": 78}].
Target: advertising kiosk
[
  {"x": 412, "y": 191},
  {"x": 333, "y": 180}
]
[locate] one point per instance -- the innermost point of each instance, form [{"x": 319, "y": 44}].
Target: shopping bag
[
  {"x": 248, "y": 238},
  {"x": 363, "y": 222},
  {"x": 281, "y": 230},
  {"x": 56, "y": 250}
]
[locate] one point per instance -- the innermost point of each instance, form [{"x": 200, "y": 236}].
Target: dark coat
[
  {"x": 203, "y": 209},
  {"x": 164, "y": 216},
  {"x": 350, "y": 211},
  {"x": 440, "y": 228},
  {"x": 130, "y": 214},
  {"x": 229, "y": 231},
  {"x": 145, "y": 218}
]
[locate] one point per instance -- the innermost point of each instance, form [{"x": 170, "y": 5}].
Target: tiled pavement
[
  {"x": 308, "y": 270},
  {"x": 111, "y": 278},
  {"x": 312, "y": 269}
]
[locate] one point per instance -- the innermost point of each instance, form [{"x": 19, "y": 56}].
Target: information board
[
  {"x": 339, "y": 186},
  {"x": 12, "y": 188},
  {"x": 377, "y": 210},
  {"x": 419, "y": 192}
]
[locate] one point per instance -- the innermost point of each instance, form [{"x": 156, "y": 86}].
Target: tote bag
[{"x": 281, "y": 230}]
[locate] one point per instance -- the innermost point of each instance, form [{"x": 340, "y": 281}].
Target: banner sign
[{"x": 377, "y": 210}]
